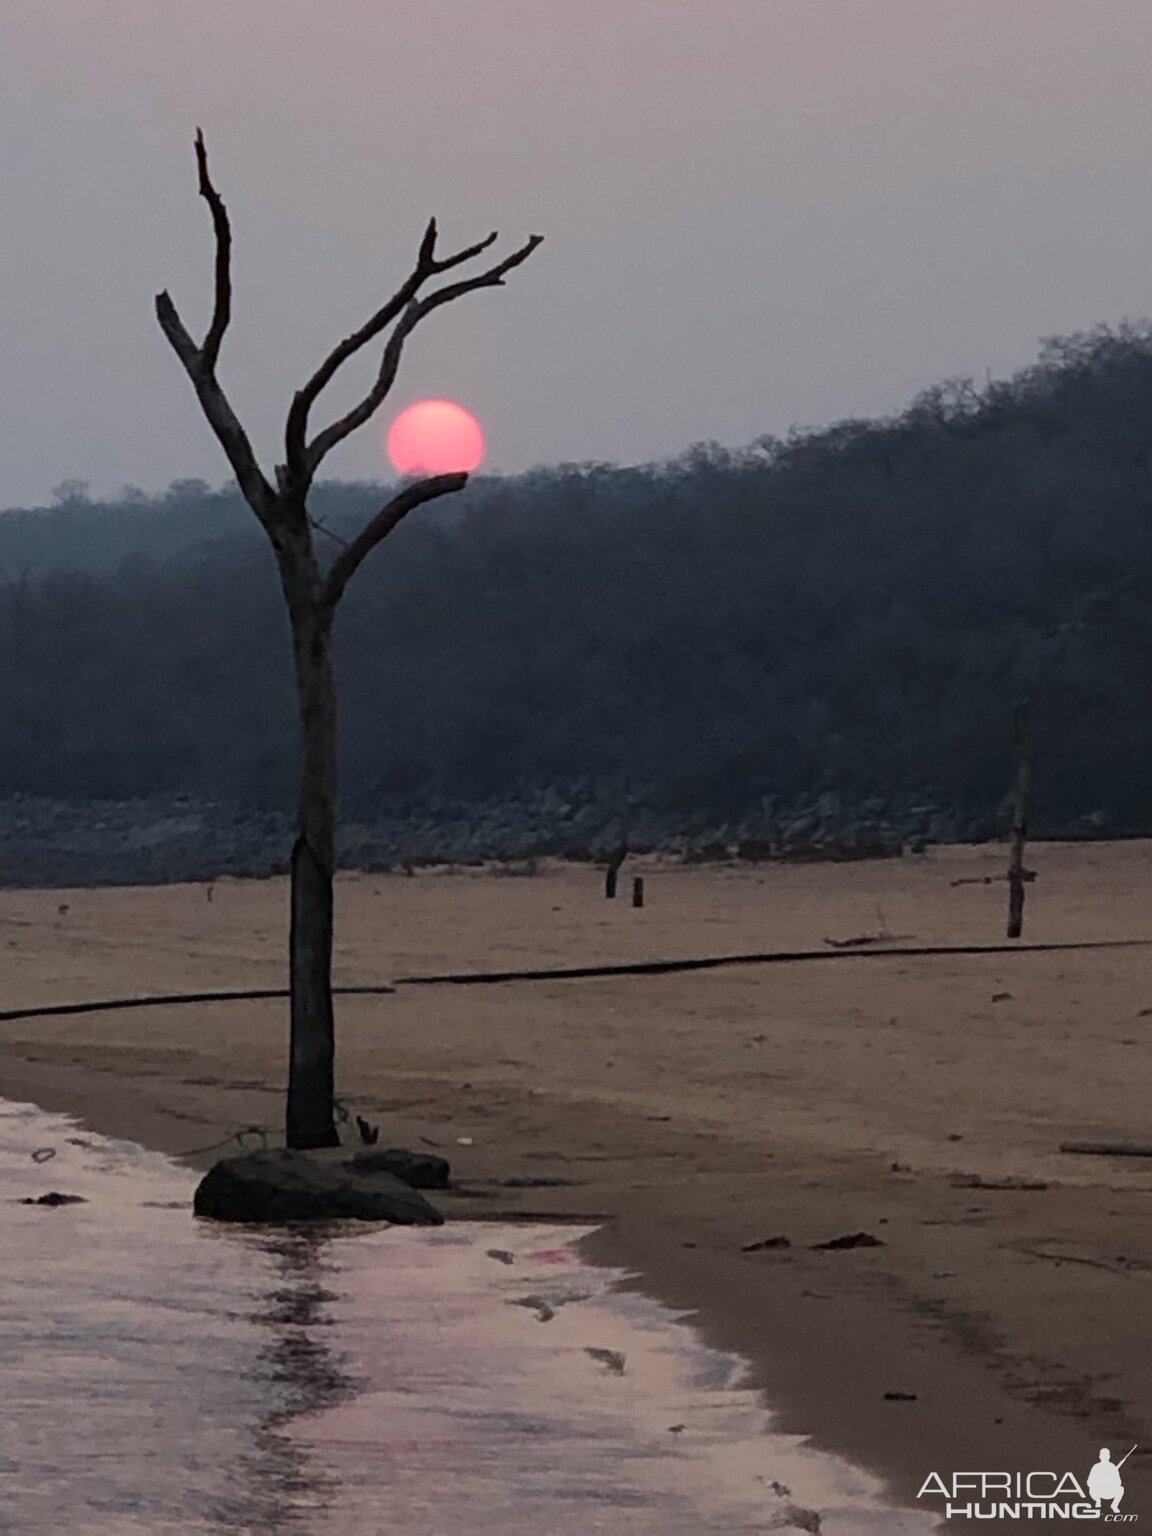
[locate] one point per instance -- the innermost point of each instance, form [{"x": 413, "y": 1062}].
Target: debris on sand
[
  {"x": 537, "y": 1304},
  {"x": 977, "y": 1181},
  {"x": 1109, "y": 1148},
  {"x": 796, "y": 1519},
  {"x": 861, "y": 939},
  {"x": 529, "y": 1181},
  {"x": 612, "y": 1358},
  {"x": 851, "y": 1240}
]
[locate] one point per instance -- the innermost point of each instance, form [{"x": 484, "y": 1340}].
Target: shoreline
[
  {"x": 439, "y": 1334},
  {"x": 702, "y": 1114},
  {"x": 794, "y": 1317}
]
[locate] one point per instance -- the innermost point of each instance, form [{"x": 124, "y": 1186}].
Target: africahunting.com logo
[{"x": 1034, "y": 1495}]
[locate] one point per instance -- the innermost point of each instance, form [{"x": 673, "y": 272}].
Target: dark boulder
[
  {"x": 283, "y": 1186},
  {"x": 421, "y": 1170}
]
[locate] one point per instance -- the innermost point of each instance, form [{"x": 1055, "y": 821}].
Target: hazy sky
[{"x": 757, "y": 213}]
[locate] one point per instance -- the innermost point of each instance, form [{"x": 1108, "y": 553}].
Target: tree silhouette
[{"x": 312, "y": 593}]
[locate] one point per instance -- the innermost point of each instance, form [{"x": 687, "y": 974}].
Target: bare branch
[
  {"x": 222, "y": 306},
  {"x": 323, "y": 443},
  {"x": 221, "y": 417},
  {"x": 493, "y": 278},
  {"x": 296, "y": 427},
  {"x": 177, "y": 333},
  {"x": 428, "y": 264},
  {"x": 461, "y": 256},
  {"x": 427, "y": 251},
  {"x": 200, "y": 362},
  {"x": 393, "y": 512}
]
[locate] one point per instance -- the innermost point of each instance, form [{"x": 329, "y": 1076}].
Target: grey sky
[{"x": 757, "y": 212}]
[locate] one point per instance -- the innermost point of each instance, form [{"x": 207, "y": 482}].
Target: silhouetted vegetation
[{"x": 832, "y": 628}]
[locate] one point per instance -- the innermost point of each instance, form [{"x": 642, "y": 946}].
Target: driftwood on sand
[{"x": 1109, "y": 1148}]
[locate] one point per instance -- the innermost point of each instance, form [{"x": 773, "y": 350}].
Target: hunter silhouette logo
[
  {"x": 1104, "y": 1484},
  {"x": 1034, "y": 1495}
]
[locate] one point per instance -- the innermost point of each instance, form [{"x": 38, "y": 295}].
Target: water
[{"x": 162, "y": 1375}]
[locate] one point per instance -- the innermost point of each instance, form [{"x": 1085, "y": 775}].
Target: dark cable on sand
[
  {"x": 571, "y": 973},
  {"x": 173, "y": 999},
  {"x": 769, "y": 957}
]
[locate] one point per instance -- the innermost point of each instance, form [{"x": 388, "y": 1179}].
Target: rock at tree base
[
  {"x": 282, "y": 1186},
  {"x": 421, "y": 1170}
]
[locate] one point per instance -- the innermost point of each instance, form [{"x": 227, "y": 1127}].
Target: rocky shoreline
[{"x": 55, "y": 843}]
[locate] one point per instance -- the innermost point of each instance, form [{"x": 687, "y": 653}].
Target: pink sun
[{"x": 435, "y": 437}]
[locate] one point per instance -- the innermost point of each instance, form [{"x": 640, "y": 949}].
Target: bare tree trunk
[
  {"x": 612, "y": 872},
  {"x": 281, "y": 506},
  {"x": 1016, "y": 873},
  {"x": 311, "y": 1085},
  {"x": 620, "y": 853}
]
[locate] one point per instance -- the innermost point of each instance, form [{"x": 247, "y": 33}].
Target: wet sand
[
  {"x": 189, "y": 1378},
  {"x": 702, "y": 1112},
  {"x": 194, "y": 1377}
]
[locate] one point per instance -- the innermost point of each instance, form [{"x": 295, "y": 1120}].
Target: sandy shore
[{"x": 703, "y": 1112}]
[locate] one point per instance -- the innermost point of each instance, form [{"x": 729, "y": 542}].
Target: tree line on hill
[{"x": 843, "y": 617}]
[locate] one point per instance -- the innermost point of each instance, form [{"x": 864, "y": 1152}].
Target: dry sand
[{"x": 705, "y": 1111}]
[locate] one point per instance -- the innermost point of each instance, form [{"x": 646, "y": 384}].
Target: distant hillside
[
  {"x": 79, "y": 534},
  {"x": 847, "y": 614}
]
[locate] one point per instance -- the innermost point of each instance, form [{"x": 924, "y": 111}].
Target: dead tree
[
  {"x": 614, "y": 857},
  {"x": 312, "y": 590},
  {"x": 613, "y": 867},
  {"x": 1017, "y": 874}
]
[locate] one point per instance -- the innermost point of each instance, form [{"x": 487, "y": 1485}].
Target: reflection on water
[
  {"x": 162, "y": 1375},
  {"x": 302, "y": 1374}
]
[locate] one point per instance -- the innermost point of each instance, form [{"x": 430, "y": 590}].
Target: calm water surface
[{"x": 162, "y": 1375}]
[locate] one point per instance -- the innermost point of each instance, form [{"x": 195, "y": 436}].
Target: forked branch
[
  {"x": 218, "y": 411},
  {"x": 393, "y": 512},
  {"x": 282, "y": 509},
  {"x": 407, "y": 309},
  {"x": 427, "y": 265},
  {"x": 200, "y": 361}
]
